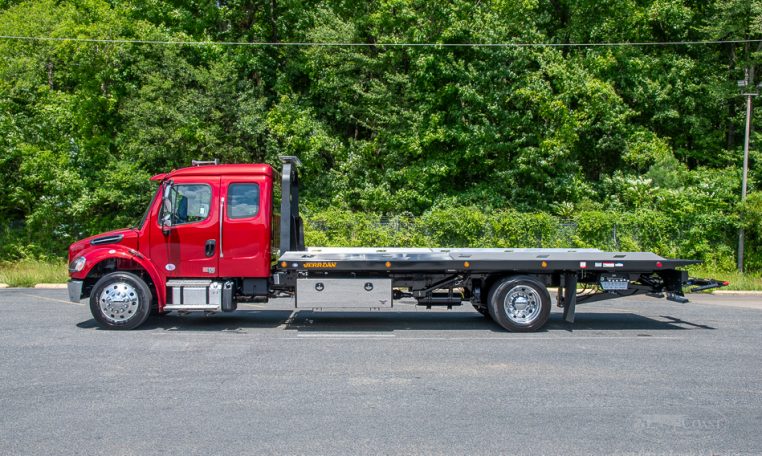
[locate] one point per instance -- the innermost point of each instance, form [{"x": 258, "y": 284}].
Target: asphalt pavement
[{"x": 632, "y": 376}]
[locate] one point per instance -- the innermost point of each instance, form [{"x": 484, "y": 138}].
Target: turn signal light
[
  {"x": 388, "y": 264},
  {"x": 283, "y": 264},
  {"x": 544, "y": 264},
  {"x": 466, "y": 264}
]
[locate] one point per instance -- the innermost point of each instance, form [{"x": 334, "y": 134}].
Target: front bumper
[{"x": 75, "y": 290}]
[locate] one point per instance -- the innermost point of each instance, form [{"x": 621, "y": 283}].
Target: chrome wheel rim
[
  {"x": 522, "y": 305},
  {"x": 118, "y": 302}
]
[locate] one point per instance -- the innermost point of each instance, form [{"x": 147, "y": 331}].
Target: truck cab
[{"x": 205, "y": 237}]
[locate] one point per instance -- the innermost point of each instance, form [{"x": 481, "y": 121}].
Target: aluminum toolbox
[
  {"x": 343, "y": 293},
  {"x": 195, "y": 292}
]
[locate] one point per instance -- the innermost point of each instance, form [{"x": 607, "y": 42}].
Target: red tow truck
[{"x": 208, "y": 241}]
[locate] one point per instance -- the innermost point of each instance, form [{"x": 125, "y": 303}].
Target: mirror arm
[
  {"x": 166, "y": 217},
  {"x": 165, "y": 229}
]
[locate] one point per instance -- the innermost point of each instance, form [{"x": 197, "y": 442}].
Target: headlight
[{"x": 77, "y": 265}]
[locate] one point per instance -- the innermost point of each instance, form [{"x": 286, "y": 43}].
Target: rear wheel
[
  {"x": 120, "y": 300},
  {"x": 520, "y": 304}
]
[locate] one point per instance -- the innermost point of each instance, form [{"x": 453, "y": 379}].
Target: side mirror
[{"x": 166, "y": 211}]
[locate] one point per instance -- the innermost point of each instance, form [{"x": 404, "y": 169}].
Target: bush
[{"x": 710, "y": 237}]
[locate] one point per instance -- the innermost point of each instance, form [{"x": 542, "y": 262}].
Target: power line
[{"x": 349, "y": 44}]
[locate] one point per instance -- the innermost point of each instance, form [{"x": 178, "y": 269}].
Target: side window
[
  {"x": 243, "y": 200},
  {"x": 189, "y": 203}
]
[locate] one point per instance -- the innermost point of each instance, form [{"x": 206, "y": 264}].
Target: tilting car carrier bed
[{"x": 205, "y": 243}]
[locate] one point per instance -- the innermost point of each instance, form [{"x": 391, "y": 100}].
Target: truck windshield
[{"x": 142, "y": 222}]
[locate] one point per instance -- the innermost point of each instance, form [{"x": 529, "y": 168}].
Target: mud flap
[{"x": 569, "y": 298}]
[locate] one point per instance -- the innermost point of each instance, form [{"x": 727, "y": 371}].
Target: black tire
[
  {"x": 482, "y": 310},
  {"x": 527, "y": 293},
  {"x": 120, "y": 300}
]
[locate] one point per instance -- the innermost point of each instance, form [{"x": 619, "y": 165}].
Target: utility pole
[{"x": 748, "y": 82}]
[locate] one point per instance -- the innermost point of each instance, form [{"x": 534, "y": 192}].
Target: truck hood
[{"x": 125, "y": 236}]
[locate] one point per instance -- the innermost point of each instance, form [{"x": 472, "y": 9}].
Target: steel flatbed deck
[
  {"x": 509, "y": 285},
  {"x": 432, "y": 275},
  {"x": 475, "y": 260}
]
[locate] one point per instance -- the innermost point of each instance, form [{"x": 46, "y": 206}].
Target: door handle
[{"x": 209, "y": 247}]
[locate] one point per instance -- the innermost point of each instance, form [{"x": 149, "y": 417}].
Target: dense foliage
[{"x": 478, "y": 142}]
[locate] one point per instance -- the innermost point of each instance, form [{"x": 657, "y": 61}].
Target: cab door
[
  {"x": 189, "y": 246},
  {"x": 245, "y": 242}
]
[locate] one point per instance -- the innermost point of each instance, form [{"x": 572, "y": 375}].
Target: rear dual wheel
[{"x": 519, "y": 304}]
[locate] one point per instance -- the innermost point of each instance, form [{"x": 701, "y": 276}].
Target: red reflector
[
  {"x": 658, "y": 264},
  {"x": 725, "y": 283}
]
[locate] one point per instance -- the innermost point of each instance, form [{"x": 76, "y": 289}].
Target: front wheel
[
  {"x": 520, "y": 304},
  {"x": 120, "y": 300}
]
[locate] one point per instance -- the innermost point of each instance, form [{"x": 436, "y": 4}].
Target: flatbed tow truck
[{"x": 208, "y": 241}]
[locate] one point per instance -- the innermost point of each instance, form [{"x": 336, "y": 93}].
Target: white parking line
[
  {"x": 288, "y": 321},
  {"x": 52, "y": 299},
  {"x": 544, "y": 338},
  {"x": 344, "y": 336}
]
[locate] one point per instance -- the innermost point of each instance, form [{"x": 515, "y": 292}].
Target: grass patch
[
  {"x": 738, "y": 281},
  {"x": 29, "y": 273}
]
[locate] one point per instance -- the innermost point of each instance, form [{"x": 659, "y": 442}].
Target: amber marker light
[
  {"x": 283, "y": 264},
  {"x": 544, "y": 264},
  {"x": 388, "y": 264},
  {"x": 466, "y": 264}
]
